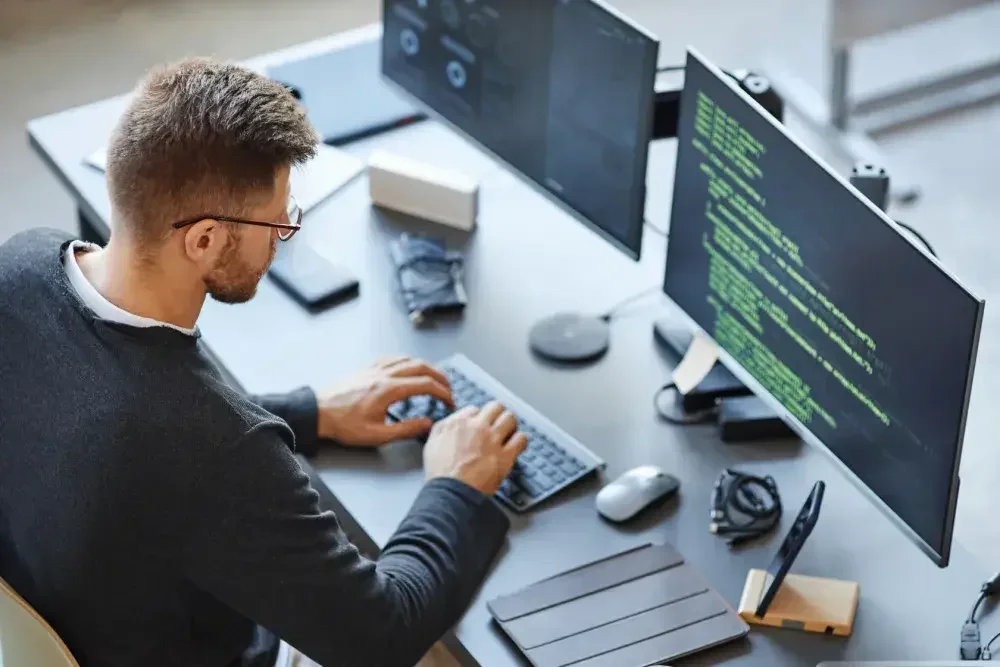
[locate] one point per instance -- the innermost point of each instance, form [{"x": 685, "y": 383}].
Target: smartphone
[
  {"x": 310, "y": 279},
  {"x": 790, "y": 547}
]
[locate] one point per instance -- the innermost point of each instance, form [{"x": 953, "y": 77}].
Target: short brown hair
[{"x": 198, "y": 137}]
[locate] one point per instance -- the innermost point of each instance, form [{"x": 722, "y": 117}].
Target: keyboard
[{"x": 553, "y": 459}]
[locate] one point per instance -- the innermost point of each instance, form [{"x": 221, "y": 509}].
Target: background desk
[{"x": 526, "y": 260}]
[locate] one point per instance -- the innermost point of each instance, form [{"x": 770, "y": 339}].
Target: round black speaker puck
[{"x": 570, "y": 337}]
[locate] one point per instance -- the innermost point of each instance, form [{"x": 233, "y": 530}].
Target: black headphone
[{"x": 971, "y": 647}]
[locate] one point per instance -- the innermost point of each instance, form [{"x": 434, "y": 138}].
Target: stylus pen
[{"x": 345, "y": 139}]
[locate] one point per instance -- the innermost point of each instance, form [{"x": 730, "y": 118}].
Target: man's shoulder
[
  {"x": 38, "y": 240},
  {"x": 30, "y": 252}
]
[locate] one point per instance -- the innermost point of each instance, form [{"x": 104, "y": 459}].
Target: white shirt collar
[{"x": 103, "y": 308}]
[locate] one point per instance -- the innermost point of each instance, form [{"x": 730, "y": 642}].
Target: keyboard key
[
  {"x": 548, "y": 469},
  {"x": 542, "y": 482},
  {"x": 534, "y": 487},
  {"x": 568, "y": 468}
]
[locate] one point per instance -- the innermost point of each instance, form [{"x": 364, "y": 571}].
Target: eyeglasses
[{"x": 286, "y": 230}]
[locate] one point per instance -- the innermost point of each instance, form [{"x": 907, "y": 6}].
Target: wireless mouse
[{"x": 634, "y": 491}]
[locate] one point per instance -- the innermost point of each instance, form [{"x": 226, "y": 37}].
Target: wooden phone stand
[
  {"x": 805, "y": 603},
  {"x": 780, "y": 599}
]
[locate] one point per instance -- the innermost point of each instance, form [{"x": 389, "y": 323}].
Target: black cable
[
  {"x": 756, "y": 498},
  {"x": 669, "y": 68},
  {"x": 659, "y": 392},
  {"x": 975, "y": 608},
  {"x": 610, "y": 314},
  {"x": 920, "y": 237},
  {"x": 970, "y": 646},
  {"x": 690, "y": 418}
]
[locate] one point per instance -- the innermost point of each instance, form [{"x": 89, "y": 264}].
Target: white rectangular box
[{"x": 423, "y": 190}]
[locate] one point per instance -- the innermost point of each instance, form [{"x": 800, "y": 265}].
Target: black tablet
[{"x": 344, "y": 95}]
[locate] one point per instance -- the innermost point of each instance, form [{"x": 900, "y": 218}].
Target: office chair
[{"x": 26, "y": 640}]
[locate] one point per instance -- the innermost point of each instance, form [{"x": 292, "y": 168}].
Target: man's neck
[{"x": 141, "y": 287}]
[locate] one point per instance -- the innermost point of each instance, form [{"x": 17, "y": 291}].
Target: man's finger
[
  {"x": 390, "y": 361},
  {"x": 467, "y": 412},
  {"x": 398, "y": 389},
  {"x": 417, "y": 368},
  {"x": 514, "y": 446},
  {"x": 490, "y": 412},
  {"x": 505, "y": 425},
  {"x": 406, "y": 429}
]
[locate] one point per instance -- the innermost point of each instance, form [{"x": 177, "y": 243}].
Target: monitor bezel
[
  {"x": 941, "y": 559},
  {"x": 631, "y": 248}
]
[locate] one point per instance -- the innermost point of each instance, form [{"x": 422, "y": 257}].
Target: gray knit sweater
[{"x": 156, "y": 517}]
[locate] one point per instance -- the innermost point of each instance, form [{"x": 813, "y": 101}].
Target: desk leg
[
  {"x": 840, "y": 105},
  {"x": 87, "y": 230}
]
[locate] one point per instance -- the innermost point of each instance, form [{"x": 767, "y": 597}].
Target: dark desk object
[
  {"x": 323, "y": 81},
  {"x": 430, "y": 277},
  {"x": 642, "y": 606},
  {"x": 792, "y": 544},
  {"x": 511, "y": 285}
]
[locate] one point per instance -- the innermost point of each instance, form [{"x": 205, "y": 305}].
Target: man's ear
[{"x": 204, "y": 242}]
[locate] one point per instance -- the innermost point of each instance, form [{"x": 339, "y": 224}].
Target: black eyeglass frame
[{"x": 292, "y": 227}]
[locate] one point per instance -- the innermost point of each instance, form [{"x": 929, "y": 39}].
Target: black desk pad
[{"x": 639, "y": 607}]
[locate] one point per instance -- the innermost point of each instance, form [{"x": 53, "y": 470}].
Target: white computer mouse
[{"x": 635, "y": 490}]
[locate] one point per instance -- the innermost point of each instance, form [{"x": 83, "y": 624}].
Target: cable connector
[
  {"x": 971, "y": 647},
  {"x": 986, "y": 654}
]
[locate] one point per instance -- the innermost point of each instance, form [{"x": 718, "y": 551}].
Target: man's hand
[
  {"x": 353, "y": 413},
  {"x": 475, "y": 446}
]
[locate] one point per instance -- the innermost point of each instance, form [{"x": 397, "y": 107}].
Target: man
[{"x": 149, "y": 512}]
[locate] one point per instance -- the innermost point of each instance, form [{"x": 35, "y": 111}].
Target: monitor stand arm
[
  {"x": 579, "y": 337},
  {"x": 720, "y": 397},
  {"x": 670, "y": 84}
]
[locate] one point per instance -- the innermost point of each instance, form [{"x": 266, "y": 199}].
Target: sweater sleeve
[
  {"x": 261, "y": 544},
  {"x": 300, "y": 411}
]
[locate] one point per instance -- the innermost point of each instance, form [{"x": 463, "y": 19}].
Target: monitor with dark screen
[
  {"x": 864, "y": 343},
  {"x": 560, "y": 90}
]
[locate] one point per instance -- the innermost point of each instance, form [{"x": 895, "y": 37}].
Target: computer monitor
[
  {"x": 863, "y": 342},
  {"x": 560, "y": 90}
]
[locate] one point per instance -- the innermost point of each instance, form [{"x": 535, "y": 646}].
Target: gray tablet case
[{"x": 636, "y": 608}]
